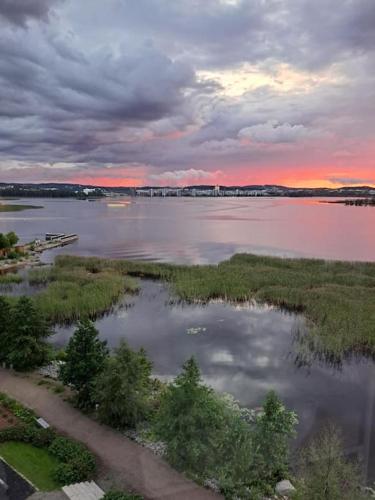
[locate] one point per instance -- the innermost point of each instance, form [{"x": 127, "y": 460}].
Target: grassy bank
[
  {"x": 79, "y": 291},
  {"x": 17, "y": 208},
  {"x": 337, "y": 298}
]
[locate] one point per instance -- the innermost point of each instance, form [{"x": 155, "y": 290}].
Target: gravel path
[{"x": 125, "y": 461}]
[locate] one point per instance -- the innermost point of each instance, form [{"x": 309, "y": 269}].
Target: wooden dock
[{"x": 60, "y": 241}]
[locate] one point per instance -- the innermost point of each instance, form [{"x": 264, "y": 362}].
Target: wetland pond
[{"x": 247, "y": 350}]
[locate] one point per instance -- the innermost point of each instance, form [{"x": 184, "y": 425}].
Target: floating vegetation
[{"x": 196, "y": 330}]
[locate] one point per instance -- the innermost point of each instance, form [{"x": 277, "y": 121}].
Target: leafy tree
[
  {"x": 123, "y": 387},
  {"x": 324, "y": 472},
  {"x": 27, "y": 347},
  {"x": 274, "y": 428},
  {"x": 84, "y": 360},
  {"x": 5, "y": 328},
  {"x": 4, "y": 242},
  {"x": 12, "y": 238},
  {"x": 191, "y": 421}
]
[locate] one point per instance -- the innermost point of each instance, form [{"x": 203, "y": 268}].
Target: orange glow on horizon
[{"x": 240, "y": 175}]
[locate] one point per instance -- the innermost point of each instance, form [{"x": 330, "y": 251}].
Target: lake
[
  {"x": 245, "y": 350},
  {"x": 199, "y": 230}
]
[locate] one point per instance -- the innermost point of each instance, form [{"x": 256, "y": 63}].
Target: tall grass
[
  {"x": 337, "y": 298},
  {"x": 10, "y": 279},
  {"x": 78, "y": 292}
]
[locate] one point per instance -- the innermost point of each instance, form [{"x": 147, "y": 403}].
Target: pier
[
  {"x": 31, "y": 251},
  {"x": 53, "y": 240}
]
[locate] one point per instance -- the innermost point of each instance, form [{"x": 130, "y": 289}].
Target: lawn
[{"x": 36, "y": 464}]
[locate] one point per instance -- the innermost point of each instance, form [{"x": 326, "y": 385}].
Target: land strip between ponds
[{"x": 127, "y": 463}]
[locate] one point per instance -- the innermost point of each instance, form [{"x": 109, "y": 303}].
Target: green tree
[
  {"x": 191, "y": 421},
  {"x": 5, "y": 328},
  {"x": 84, "y": 360},
  {"x": 324, "y": 472},
  {"x": 123, "y": 388},
  {"x": 12, "y": 238},
  {"x": 27, "y": 346},
  {"x": 274, "y": 428},
  {"x": 4, "y": 242}
]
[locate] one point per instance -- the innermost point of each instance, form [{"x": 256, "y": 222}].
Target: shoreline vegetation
[
  {"x": 357, "y": 202},
  {"x": 336, "y": 298},
  {"x": 17, "y": 208}
]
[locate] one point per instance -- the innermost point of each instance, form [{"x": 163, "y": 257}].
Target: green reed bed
[
  {"x": 337, "y": 298},
  {"x": 77, "y": 292},
  {"x": 10, "y": 279},
  {"x": 17, "y": 208}
]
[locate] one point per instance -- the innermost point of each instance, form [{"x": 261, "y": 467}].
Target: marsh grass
[
  {"x": 79, "y": 292},
  {"x": 10, "y": 279},
  {"x": 337, "y": 298},
  {"x": 17, "y": 208}
]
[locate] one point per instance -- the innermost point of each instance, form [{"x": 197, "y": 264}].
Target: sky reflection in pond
[{"x": 246, "y": 351}]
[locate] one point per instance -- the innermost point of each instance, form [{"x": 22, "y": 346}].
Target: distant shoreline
[
  {"x": 356, "y": 202},
  {"x": 17, "y": 208}
]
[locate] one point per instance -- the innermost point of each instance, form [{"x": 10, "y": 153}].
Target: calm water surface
[{"x": 202, "y": 230}]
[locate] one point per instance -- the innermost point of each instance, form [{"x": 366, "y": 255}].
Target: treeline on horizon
[{"x": 57, "y": 190}]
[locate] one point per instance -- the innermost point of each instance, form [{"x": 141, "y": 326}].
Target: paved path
[{"x": 126, "y": 461}]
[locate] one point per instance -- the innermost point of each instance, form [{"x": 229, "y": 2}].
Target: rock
[
  {"x": 52, "y": 370},
  {"x": 284, "y": 488}
]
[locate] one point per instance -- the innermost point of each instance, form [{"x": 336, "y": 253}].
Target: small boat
[{"x": 119, "y": 205}]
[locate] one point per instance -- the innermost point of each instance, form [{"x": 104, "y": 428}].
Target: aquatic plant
[
  {"x": 79, "y": 292},
  {"x": 10, "y": 279},
  {"x": 337, "y": 298}
]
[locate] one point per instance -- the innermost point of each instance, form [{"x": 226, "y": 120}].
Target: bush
[
  {"x": 325, "y": 473},
  {"x": 41, "y": 438},
  {"x": 78, "y": 461},
  {"x": 66, "y": 474},
  {"x": 65, "y": 449}
]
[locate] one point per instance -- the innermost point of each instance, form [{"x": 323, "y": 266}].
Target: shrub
[
  {"x": 325, "y": 473},
  {"x": 66, "y": 474},
  {"x": 40, "y": 438},
  {"x": 78, "y": 462}
]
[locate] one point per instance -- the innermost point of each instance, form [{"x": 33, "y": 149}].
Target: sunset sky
[{"x": 177, "y": 92}]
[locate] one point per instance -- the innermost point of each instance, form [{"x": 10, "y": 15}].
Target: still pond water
[{"x": 245, "y": 350}]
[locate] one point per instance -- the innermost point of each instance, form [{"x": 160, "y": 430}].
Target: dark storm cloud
[
  {"x": 117, "y": 83},
  {"x": 18, "y": 12},
  {"x": 216, "y": 33}
]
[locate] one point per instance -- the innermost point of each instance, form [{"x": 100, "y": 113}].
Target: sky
[{"x": 178, "y": 92}]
